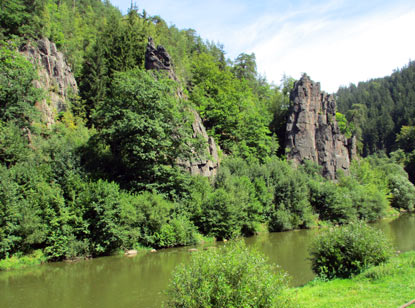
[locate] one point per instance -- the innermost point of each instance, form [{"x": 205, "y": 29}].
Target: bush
[
  {"x": 348, "y": 250},
  {"x": 152, "y": 221},
  {"x": 331, "y": 202},
  {"x": 403, "y": 193},
  {"x": 292, "y": 208},
  {"x": 227, "y": 277},
  {"x": 18, "y": 261},
  {"x": 221, "y": 215}
]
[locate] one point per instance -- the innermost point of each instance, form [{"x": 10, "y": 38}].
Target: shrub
[
  {"x": 227, "y": 277},
  {"x": 18, "y": 261},
  {"x": 331, "y": 202},
  {"x": 403, "y": 193},
  {"x": 348, "y": 250},
  {"x": 221, "y": 215},
  {"x": 151, "y": 220},
  {"x": 292, "y": 208}
]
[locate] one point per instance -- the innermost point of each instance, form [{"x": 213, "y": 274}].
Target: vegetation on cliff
[{"x": 105, "y": 176}]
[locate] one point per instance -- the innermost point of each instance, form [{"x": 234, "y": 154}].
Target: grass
[{"x": 387, "y": 285}]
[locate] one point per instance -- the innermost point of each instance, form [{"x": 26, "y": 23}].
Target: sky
[{"x": 336, "y": 42}]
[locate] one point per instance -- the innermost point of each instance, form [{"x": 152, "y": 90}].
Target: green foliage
[
  {"x": 20, "y": 17},
  {"x": 332, "y": 202},
  {"x": 221, "y": 216},
  {"x": 156, "y": 221},
  {"x": 348, "y": 250},
  {"x": 229, "y": 277},
  {"x": 367, "y": 188},
  {"x": 14, "y": 146},
  {"x": 406, "y": 138},
  {"x": 16, "y": 262},
  {"x": 17, "y": 94},
  {"x": 401, "y": 191},
  {"x": 379, "y": 108},
  {"x": 145, "y": 128},
  {"x": 273, "y": 192},
  {"x": 229, "y": 111},
  {"x": 245, "y": 67},
  {"x": 278, "y": 107},
  {"x": 345, "y": 127},
  {"x": 72, "y": 190}
]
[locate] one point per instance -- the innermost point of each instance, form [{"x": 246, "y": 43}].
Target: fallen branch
[{"x": 408, "y": 304}]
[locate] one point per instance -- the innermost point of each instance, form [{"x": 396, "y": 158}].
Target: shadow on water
[{"x": 139, "y": 281}]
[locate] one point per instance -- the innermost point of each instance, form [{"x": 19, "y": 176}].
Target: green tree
[
  {"x": 21, "y": 18},
  {"x": 144, "y": 127},
  {"x": 245, "y": 67},
  {"x": 17, "y": 94},
  {"x": 406, "y": 138},
  {"x": 229, "y": 110}
]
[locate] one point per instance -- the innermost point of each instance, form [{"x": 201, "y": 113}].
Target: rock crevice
[{"x": 312, "y": 131}]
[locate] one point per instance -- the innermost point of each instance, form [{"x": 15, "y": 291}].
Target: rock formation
[
  {"x": 207, "y": 163},
  {"x": 158, "y": 59},
  {"x": 312, "y": 132},
  {"x": 54, "y": 76}
]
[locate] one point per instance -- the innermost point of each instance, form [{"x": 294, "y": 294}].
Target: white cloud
[{"x": 338, "y": 52}]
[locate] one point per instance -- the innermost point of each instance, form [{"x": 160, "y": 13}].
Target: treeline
[{"x": 105, "y": 176}]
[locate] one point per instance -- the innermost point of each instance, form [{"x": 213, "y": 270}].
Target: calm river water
[{"x": 140, "y": 281}]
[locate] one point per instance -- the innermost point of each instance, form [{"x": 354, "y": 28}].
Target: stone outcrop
[
  {"x": 207, "y": 162},
  {"x": 312, "y": 131},
  {"x": 54, "y": 76},
  {"x": 158, "y": 59}
]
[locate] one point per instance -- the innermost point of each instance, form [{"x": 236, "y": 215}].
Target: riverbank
[
  {"x": 388, "y": 285},
  {"x": 22, "y": 261},
  {"x": 140, "y": 281}
]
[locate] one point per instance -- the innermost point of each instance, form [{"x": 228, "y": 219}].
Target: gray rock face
[
  {"x": 312, "y": 130},
  {"x": 207, "y": 162},
  {"x": 158, "y": 59},
  {"x": 54, "y": 76}
]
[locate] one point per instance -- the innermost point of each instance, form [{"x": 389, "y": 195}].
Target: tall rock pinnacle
[{"x": 312, "y": 131}]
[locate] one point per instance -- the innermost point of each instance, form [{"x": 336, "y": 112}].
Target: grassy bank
[{"x": 388, "y": 285}]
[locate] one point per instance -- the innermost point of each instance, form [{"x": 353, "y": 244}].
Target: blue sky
[{"x": 336, "y": 42}]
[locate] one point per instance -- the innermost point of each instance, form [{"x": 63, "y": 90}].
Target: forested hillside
[
  {"x": 382, "y": 112},
  {"x": 103, "y": 174}
]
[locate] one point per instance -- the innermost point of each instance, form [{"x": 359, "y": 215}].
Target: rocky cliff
[
  {"x": 54, "y": 76},
  {"x": 312, "y": 131},
  {"x": 207, "y": 162}
]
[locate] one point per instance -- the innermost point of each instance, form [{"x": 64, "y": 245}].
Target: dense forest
[
  {"x": 104, "y": 177},
  {"x": 382, "y": 112}
]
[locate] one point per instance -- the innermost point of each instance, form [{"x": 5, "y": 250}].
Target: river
[{"x": 139, "y": 281}]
